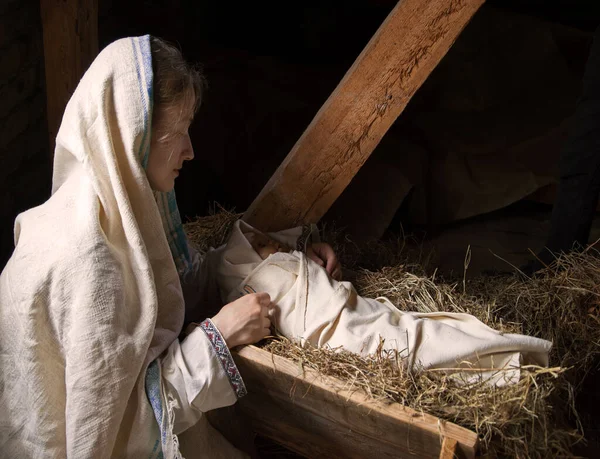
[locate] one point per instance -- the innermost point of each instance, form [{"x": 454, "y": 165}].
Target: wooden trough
[
  {"x": 310, "y": 414},
  {"x": 320, "y": 416}
]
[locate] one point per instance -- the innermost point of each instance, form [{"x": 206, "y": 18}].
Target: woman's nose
[{"x": 188, "y": 152}]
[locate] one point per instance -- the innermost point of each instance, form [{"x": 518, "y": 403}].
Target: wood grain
[
  {"x": 375, "y": 90},
  {"x": 70, "y": 45},
  {"x": 319, "y": 416},
  {"x": 449, "y": 447}
]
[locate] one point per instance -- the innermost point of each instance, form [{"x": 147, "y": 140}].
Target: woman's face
[{"x": 170, "y": 146}]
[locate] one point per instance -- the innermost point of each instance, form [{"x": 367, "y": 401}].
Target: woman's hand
[
  {"x": 322, "y": 254},
  {"x": 245, "y": 320}
]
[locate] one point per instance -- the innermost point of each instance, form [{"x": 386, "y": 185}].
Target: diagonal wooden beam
[{"x": 397, "y": 60}]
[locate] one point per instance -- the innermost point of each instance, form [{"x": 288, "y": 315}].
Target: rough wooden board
[
  {"x": 449, "y": 446},
  {"x": 318, "y": 416},
  {"x": 396, "y": 61},
  {"x": 70, "y": 46}
]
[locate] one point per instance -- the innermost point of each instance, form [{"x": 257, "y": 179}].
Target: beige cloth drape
[{"x": 313, "y": 308}]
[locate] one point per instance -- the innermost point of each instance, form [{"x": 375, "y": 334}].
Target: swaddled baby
[
  {"x": 265, "y": 246},
  {"x": 312, "y": 308}
]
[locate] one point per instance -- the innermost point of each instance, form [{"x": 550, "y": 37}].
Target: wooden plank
[
  {"x": 319, "y": 416},
  {"x": 449, "y": 447},
  {"x": 70, "y": 45},
  {"x": 375, "y": 90}
]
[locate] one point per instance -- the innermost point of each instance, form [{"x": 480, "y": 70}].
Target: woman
[{"x": 91, "y": 301}]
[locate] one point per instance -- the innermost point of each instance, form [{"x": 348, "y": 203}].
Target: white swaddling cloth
[{"x": 314, "y": 309}]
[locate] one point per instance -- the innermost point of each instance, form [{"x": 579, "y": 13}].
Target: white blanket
[{"x": 313, "y": 308}]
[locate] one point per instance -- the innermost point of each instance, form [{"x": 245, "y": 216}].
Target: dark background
[{"x": 271, "y": 65}]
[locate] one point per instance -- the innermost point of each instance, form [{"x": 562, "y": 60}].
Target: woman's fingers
[
  {"x": 337, "y": 273},
  {"x": 265, "y": 322},
  {"x": 267, "y": 310},
  {"x": 325, "y": 253},
  {"x": 327, "y": 257},
  {"x": 245, "y": 320},
  {"x": 263, "y": 298},
  {"x": 331, "y": 259},
  {"x": 315, "y": 256}
]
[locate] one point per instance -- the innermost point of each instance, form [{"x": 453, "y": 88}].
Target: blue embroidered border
[
  {"x": 167, "y": 202},
  {"x": 145, "y": 90},
  {"x": 152, "y": 385},
  {"x": 225, "y": 357}
]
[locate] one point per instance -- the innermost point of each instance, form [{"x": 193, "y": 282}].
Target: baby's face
[{"x": 264, "y": 245}]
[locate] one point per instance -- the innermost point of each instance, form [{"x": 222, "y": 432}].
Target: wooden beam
[
  {"x": 70, "y": 45},
  {"x": 375, "y": 90},
  {"x": 319, "y": 416}
]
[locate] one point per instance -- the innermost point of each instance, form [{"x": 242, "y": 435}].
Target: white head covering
[{"x": 92, "y": 294}]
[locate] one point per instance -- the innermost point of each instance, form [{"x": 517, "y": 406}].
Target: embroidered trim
[
  {"x": 225, "y": 358},
  {"x": 249, "y": 289},
  {"x": 152, "y": 384}
]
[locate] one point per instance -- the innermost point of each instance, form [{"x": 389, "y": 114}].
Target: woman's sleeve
[
  {"x": 200, "y": 375},
  {"x": 199, "y": 287}
]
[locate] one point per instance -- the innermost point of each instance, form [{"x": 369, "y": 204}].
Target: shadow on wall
[
  {"x": 25, "y": 164},
  {"x": 483, "y": 131},
  {"x": 470, "y": 140}
]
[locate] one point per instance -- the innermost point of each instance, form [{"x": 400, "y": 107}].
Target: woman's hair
[{"x": 175, "y": 81}]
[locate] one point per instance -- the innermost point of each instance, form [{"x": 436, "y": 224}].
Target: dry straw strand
[{"x": 535, "y": 417}]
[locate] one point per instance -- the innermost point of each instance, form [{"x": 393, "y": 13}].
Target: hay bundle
[
  {"x": 511, "y": 421},
  {"x": 212, "y": 230},
  {"x": 534, "y": 418}
]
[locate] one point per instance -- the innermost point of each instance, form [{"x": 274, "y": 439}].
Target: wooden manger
[
  {"x": 314, "y": 415},
  {"x": 311, "y": 414},
  {"x": 320, "y": 416}
]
